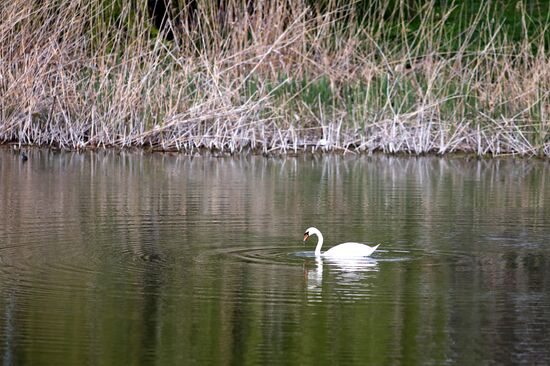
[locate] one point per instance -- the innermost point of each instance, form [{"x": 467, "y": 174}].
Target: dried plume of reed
[{"x": 285, "y": 77}]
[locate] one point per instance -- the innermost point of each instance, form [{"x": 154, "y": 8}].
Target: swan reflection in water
[{"x": 346, "y": 276}]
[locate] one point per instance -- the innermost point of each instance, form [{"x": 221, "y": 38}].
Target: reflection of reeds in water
[
  {"x": 274, "y": 78},
  {"x": 432, "y": 306}
]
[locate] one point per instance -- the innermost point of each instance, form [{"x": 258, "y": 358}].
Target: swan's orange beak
[{"x": 306, "y": 235}]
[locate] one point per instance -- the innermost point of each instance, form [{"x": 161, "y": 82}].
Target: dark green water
[{"x": 133, "y": 258}]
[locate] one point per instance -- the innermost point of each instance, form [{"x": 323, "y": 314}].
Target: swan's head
[{"x": 310, "y": 231}]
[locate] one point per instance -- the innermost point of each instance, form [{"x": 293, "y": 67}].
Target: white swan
[{"x": 344, "y": 250}]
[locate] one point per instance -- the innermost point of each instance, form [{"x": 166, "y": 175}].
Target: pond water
[{"x": 132, "y": 258}]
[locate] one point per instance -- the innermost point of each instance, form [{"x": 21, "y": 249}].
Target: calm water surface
[{"x": 134, "y": 258}]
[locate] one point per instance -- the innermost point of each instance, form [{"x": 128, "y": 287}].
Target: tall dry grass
[{"x": 283, "y": 77}]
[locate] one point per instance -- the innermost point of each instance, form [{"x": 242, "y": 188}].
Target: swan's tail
[{"x": 375, "y": 247}]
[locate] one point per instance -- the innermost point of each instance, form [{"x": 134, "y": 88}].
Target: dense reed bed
[{"x": 273, "y": 76}]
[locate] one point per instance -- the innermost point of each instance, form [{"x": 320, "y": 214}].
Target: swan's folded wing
[{"x": 346, "y": 250}]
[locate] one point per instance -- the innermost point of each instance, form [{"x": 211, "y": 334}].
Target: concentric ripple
[{"x": 289, "y": 256}]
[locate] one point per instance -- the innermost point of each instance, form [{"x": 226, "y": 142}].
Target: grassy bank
[{"x": 270, "y": 76}]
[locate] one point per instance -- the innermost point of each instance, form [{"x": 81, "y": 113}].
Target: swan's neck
[{"x": 319, "y": 243}]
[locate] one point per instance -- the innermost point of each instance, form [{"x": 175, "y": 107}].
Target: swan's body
[{"x": 344, "y": 250}]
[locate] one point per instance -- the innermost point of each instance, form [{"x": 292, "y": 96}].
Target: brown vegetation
[{"x": 277, "y": 77}]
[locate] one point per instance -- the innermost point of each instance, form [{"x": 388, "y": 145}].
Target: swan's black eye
[{"x": 306, "y": 233}]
